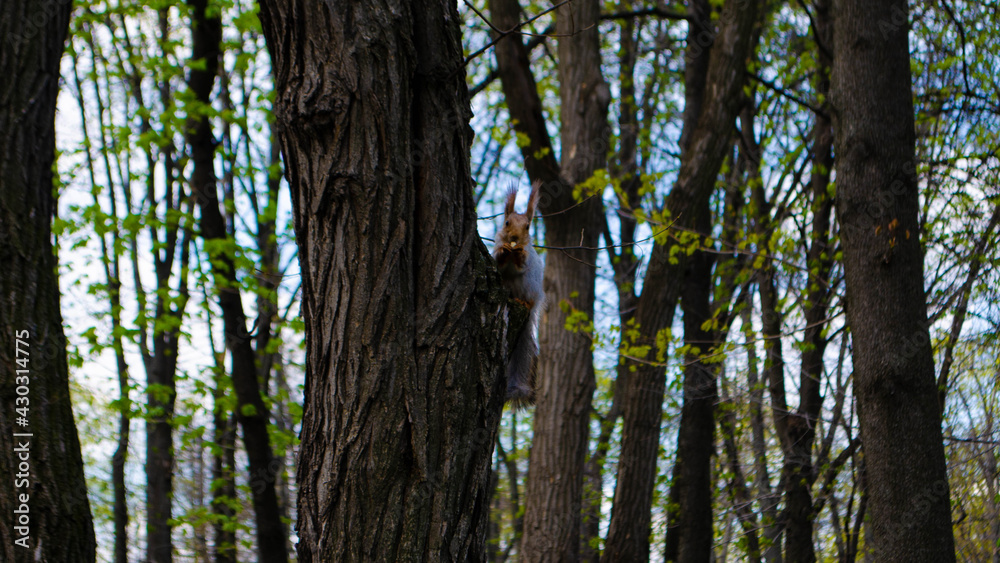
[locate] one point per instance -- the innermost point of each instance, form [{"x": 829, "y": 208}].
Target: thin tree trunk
[
  {"x": 112, "y": 274},
  {"x": 283, "y": 425},
  {"x": 877, "y": 206},
  {"x": 223, "y": 489},
  {"x": 772, "y": 322},
  {"x": 46, "y": 514},
  {"x": 800, "y": 474},
  {"x": 854, "y": 535},
  {"x": 628, "y": 535},
  {"x": 251, "y": 412},
  {"x": 224, "y": 482},
  {"x": 269, "y": 275},
  {"x": 683, "y": 517},
  {"x": 692, "y": 491},
  {"x": 988, "y": 463},
  {"x": 406, "y": 324},
  {"x": 738, "y": 489},
  {"x": 118, "y": 462},
  {"x": 767, "y": 496},
  {"x": 161, "y": 365},
  {"x": 159, "y": 428},
  {"x": 199, "y": 539},
  {"x": 625, "y": 268},
  {"x": 513, "y": 476},
  {"x": 696, "y": 435},
  {"x": 965, "y": 292}
]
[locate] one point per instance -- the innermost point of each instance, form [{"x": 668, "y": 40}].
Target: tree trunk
[
  {"x": 161, "y": 364},
  {"x": 406, "y": 324},
  {"x": 691, "y": 477},
  {"x": 46, "y": 514},
  {"x": 642, "y": 396},
  {"x": 738, "y": 490},
  {"x": 800, "y": 474},
  {"x": 251, "y": 412},
  {"x": 696, "y": 436},
  {"x": 566, "y": 380},
  {"x": 164, "y": 327},
  {"x": 877, "y": 207},
  {"x": 223, "y": 468},
  {"x": 118, "y": 465},
  {"x": 565, "y": 368},
  {"x": 159, "y": 430},
  {"x": 625, "y": 266},
  {"x": 112, "y": 275}
]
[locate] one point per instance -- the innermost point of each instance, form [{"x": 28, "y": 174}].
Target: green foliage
[
  {"x": 126, "y": 210},
  {"x": 129, "y": 230}
]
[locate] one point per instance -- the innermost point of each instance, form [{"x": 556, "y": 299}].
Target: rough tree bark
[
  {"x": 251, "y": 412},
  {"x": 406, "y": 324},
  {"x": 642, "y": 395},
  {"x": 32, "y": 343},
  {"x": 877, "y": 206}
]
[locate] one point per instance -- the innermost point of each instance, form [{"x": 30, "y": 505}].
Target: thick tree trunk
[
  {"x": 251, "y": 412},
  {"x": 702, "y": 156},
  {"x": 877, "y": 207},
  {"x": 406, "y": 324},
  {"x": 46, "y": 514}
]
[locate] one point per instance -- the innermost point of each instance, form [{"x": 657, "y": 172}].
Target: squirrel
[{"x": 521, "y": 270}]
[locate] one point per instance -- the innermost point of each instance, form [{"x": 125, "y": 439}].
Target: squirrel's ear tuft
[
  {"x": 536, "y": 192},
  {"x": 511, "y": 198}
]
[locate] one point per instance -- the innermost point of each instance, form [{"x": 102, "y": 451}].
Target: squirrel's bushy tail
[{"x": 521, "y": 370}]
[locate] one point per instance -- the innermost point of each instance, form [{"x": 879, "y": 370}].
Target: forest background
[{"x": 744, "y": 403}]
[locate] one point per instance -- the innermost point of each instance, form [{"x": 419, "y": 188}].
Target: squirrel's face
[{"x": 515, "y": 231}]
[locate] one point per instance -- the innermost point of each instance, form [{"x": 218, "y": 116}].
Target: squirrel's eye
[{"x": 506, "y": 223}]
